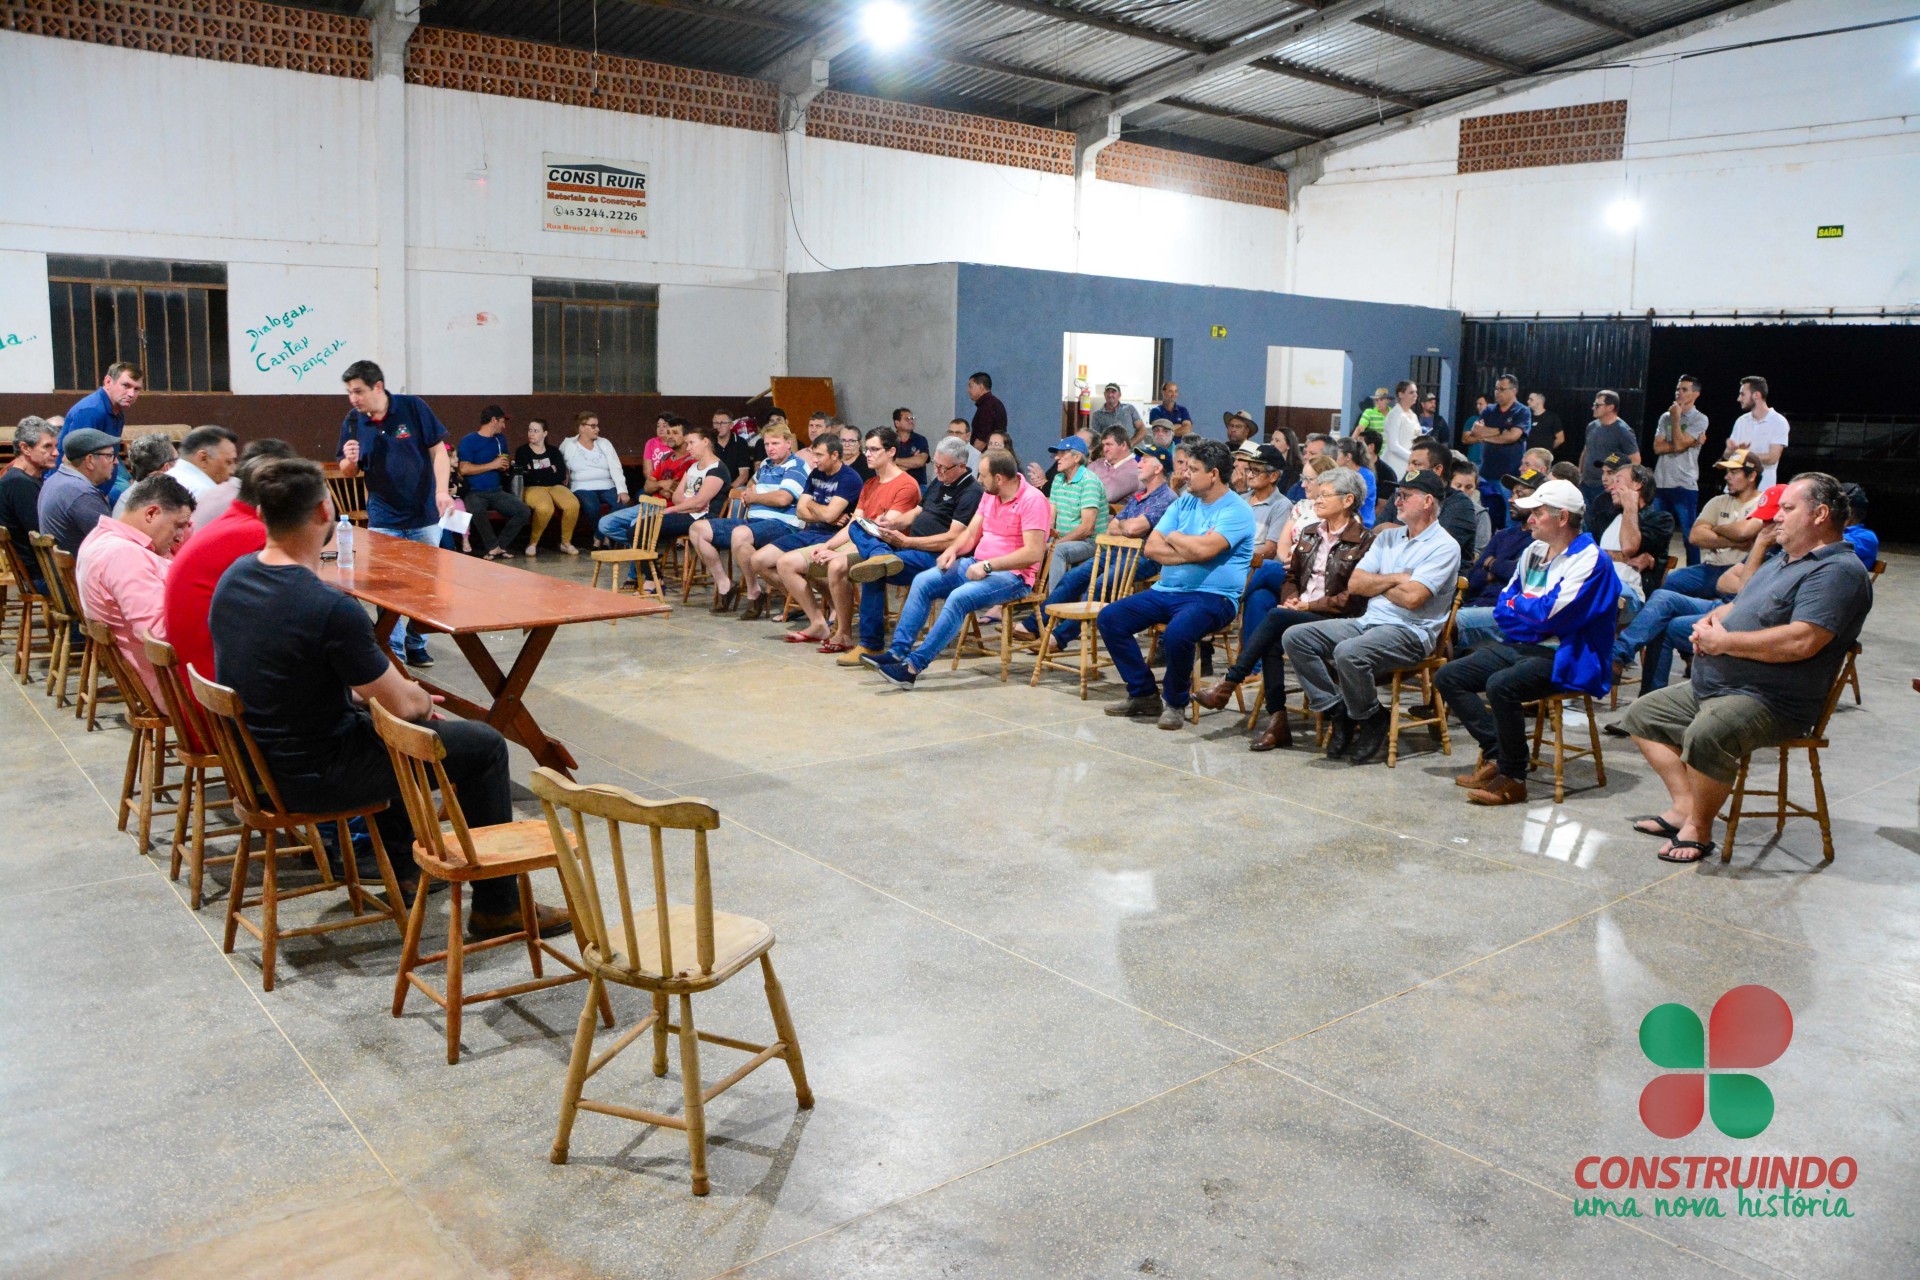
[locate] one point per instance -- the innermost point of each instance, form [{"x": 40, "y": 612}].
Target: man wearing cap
[
  {"x": 1136, "y": 520},
  {"x": 1408, "y": 578},
  {"x": 1503, "y": 429},
  {"x": 1763, "y": 666},
  {"x": 1677, "y": 438},
  {"x": 105, "y": 410},
  {"x": 1724, "y": 529},
  {"x": 1241, "y": 428},
  {"x": 1493, "y": 567},
  {"x": 1113, "y": 412},
  {"x": 1204, "y": 544},
  {"x": 1115, "y": 466},
  {"x": 1079, "y": 507},
  {"x": 1606, "y": 435},
  {"x": 1554, "y": 627},
  {"x": 1431, "y": 421},
  {"x": 72, "y": 498},
  {"x": 400, "y": 446},
  {"x": 1374, "y": 414},
  {"x": 1242, "y": 455},
  {"x": 1271, "y": 511},
  {"x": 483, "y": 462}
]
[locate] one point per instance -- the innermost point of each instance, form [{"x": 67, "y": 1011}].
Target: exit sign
[
  {"x": 1218, "y": 331},
  {"x": 1829, "y": 233}
]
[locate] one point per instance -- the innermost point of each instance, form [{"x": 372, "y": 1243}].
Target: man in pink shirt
[
  {"x": 993, "y": 562},
  {"x": 121, "y": 573}
]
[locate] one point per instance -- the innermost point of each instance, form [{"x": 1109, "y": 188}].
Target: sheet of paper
[{"x": 456, "y": 522}]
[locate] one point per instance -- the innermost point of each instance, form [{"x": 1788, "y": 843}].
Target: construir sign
[{"x": 597, "y": 197}]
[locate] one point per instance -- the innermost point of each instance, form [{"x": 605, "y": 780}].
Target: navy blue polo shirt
[
  {"x": 477, "y": 450},
  {"x": 1498, "y": 460},
  {"x": 396, "y": 456},
  {"x": 94, "y": 412}
]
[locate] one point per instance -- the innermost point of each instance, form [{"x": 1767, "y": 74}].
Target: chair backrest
[
  {"x": 43, "y": 550},
  {"x": 418, "y": 757},
  {"x": 249, "y": 782},
  {"x": 189, "y": 721},
  {"x": 586, "y": 874},
  {"x": 1115, "y": 559},
  {"x": 736, "y": 507},
  {"x": 646, "y": 523},
  {"x": 349, "y": 495},
  {"x": 1840, "y": 678},
  {"x": 1879, "y": 567},
  {"x": 1453, "y": 613},
  {"x": 65, "y": 575},
  {"x": 133, "y": 689},
  {"x": 16, "y": 559}
]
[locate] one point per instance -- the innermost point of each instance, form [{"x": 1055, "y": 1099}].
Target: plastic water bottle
[{"x": 343, "y": 543}]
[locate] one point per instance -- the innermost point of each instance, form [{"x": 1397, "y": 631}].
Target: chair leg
[
  {"x": 1820, "y": 805},
  {"x": 1780, "y": 818},
  {"x": 659, "y": 1034},
  {"x": 576, "y": 1066},
  {"x": 236, "y": 892},
  {"x": 1393, "y": 722},
  {"x": 270, "y": 910},
  {"x": 1559, "y": 752},
  {"x": 127, "y": 779},
  {"x": 696, "y": 1110},
  {"x": 1040, "y": 659},
  {"x": 350, "y": 867},
  {"x": 181, "y": 819},
  {"x": 455, "y": 963},
  {"x": 1593, "y": 742},
  {"x": 530, "y": 923},
  {"x": 1439, "y": 706},
  {"x": 783, "y": 1027},
  {"x": 151, "y": 770},
  {"x": 410, "y": 948},
  {"x": 1733, "y": 814}
]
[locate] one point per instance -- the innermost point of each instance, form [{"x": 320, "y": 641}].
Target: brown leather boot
[
  {"x": 1502, "y": 790},
  {"x": 1216, "y": 695},
  {"x": 1275, "y": 734},
  {"x": 1483, "y": 775}
]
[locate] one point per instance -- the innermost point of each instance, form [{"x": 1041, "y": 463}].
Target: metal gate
[{"x": 1565, "y": 360}]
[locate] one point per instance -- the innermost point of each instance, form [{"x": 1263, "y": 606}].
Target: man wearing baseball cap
[
  {"x": 1554, "y": 621},
  {"x": 71, "y": 499},
  {"x": 1408, "y": 578},
  {"x": 1374, "y": 414},
  {"x": 1115, "y": 412},
  {"x": 1724, "y": 530},
  {"x": 1079, "y": 507}
]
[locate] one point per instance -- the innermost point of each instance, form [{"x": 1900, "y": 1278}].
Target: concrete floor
[{"x": 1078, "y": 998}]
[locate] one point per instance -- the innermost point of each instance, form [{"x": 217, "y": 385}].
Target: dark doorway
[{"x": 1564, "y": 360}]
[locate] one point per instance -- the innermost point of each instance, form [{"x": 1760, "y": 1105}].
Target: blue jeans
[
  {"x": 1188, "y": 616},
  {"x": 404, "y": 630},
  {"x": 594, "y": 502},
  {"x": 1684, "y": 504},
  {"x": 1652, "y": 628},
  {"x": 873, "y": 595},
  {"x": 1263, "y": 594},
  {"x": 962, "y": 597},
  {"x": 1077, "y": 584},
  {"x": 1474, "y": 627},
  {"x": 1696, "y": 580}
]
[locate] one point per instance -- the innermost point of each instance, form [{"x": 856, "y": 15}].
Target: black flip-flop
[
  {"x": 1662, "y": 828},
  {"x": 1703, "y": 850}
]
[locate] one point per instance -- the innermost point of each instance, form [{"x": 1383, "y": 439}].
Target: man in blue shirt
[
  {"x": 1503, "y": 429},
  {"x": 105, "y": 410},
  {"x": 400, "y": 447},
  {"x": 1172, "y": 410},
  {"x": 1136, "y": 520},
  {"x": 72, "y": 499},
  {"x": 1408, "y": 575},
  {"x": 1205, "y": 545},
  {"x": 484, "y": 461}
]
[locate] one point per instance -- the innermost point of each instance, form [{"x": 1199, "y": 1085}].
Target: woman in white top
[
  {"x": 1402, "y": 428},
  {"x": 593, "y": 471}
]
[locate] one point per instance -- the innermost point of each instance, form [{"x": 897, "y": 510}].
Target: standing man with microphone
[{"x": 397, "y": 443}]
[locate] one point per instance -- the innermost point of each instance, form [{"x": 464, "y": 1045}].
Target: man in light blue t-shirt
[
  {"x": 1205, "y": 543},
  {"x": 1409, "y": 574}
]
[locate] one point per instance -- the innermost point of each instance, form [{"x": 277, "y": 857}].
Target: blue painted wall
[{"x": 1011, "y": 323}]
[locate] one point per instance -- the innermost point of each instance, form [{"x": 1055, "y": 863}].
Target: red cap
[{"x": 1769, "y": 503}]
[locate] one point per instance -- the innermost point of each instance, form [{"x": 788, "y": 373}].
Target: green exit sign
[
  {"x": 1829, "y": 233},
  {"x": 1219, "y": 331}
]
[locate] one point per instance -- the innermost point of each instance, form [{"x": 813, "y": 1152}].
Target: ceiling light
[
  {"x": 885, "y": 25},
  {"x": 1623, "y": 214}
]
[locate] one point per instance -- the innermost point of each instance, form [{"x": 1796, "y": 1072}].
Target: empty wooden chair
[
  {"x": 255, "y": 799},
  {"x": 33, "y": 640},
  {"x": 666, "y": 949},
  {"x": 1553, "y": 707},
  {"x": 150, "y": 753},
  {"x": 643, "y": 552},
  {"x": 193, "y": 746},
  {"x": 1786, "y": 807},
  {"x": 1114, "y": 561},
  {"x": 349, "y": 495},
  {"x": 460, "y": 855},
  {"x": 63, "y": 613},
  {"x": 1418, "y": 680}
]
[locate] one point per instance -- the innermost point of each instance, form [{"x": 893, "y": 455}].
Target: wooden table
[{"x": 464, "y": 596}]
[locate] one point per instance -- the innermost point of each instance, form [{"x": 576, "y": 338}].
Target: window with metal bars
[
  {"x": 591, "y": 336},
  {"x": 170, "y": 318}
]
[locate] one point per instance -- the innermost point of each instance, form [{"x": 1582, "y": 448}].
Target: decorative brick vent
[
  {"x": 1191, "y": 175},
  {"x": 904, "y": 126},
  {"x": 1586, "y": 134},
  {"x": 242, "y": 31},
  {"x": 547, "y": 73}
]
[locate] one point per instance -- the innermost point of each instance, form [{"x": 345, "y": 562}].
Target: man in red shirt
[
  {"x": 890, "y": 499},
  {"x": 197, "y": 567}
]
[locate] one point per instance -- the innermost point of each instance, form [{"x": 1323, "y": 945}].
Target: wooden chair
[
  {"x": 1553, "y": 707},
  {"x": 1114, "y": 560},
  {"x": 644, "y": 550},
  {"x": 349, "y": 495},
  {"x": 1787, "y": 807},
  {"x": 150, "y": 753},
  {"x": 63, "y": 613},
  {"x": 1851, "y": 675},
  {"x": 1620, "y": 624},
  {"x": 34, "y": 639},
  {"x": 193, "y": 746},
  {"x": 666, "y": 949},
  {"x": 255, "y": 799},
  {"x": 693, "y": 570},
  {"x": 1031, "y": 603},
  {"x": 87, "y": 704},
  {"x": 1418, "y": 680},
  {"x": 507, "y": 850}
]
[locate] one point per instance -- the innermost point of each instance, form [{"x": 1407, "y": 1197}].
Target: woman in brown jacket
[{"x": 1324, "y": 555}]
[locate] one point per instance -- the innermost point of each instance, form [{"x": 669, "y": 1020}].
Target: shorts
[
  {"x": 798, "y": 538},
  {"x": 1713, "y": 736},
  {"x": 764, "y": 531}
]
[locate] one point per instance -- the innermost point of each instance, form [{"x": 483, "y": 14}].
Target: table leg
[
  {"x": 383, "y": 624},
  {"x": 508, "y": 713}
]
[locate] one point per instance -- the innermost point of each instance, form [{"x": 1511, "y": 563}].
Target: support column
[{"x": 394, "y": 22}]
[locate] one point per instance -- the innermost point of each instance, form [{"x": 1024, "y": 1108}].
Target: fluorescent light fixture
[
  {"x": 1624, "y": 214},
  {"x": 885, "y": 25}
]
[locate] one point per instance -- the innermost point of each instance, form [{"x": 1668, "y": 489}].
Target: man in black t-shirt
[
  {"x": 304, "y": 681},
  {"x": 36, "y": 451},
  {"x": 898, "y": 556},
  {"x": 914, "y": 451}
]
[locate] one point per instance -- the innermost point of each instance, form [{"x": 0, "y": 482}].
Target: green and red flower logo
[{"x": 1749, "y": 1027}]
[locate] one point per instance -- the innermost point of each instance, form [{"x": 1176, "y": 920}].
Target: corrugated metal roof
[{"x": 994, "y": 57}]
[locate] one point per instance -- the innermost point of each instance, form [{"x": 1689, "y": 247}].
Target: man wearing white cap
[{"x": 1555, "y": 618}]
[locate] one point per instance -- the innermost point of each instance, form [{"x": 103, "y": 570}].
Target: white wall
[
  {"x": 292, "y": 329},
  {"x": 26, "y": 320},
  {"x": 1734, "y": 159}
]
